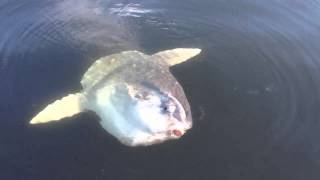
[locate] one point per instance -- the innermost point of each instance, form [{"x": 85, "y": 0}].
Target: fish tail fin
[{"x": 67, "y": 106}]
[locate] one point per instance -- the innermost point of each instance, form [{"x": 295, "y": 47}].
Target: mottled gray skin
[{"x": 141, "y": 70}]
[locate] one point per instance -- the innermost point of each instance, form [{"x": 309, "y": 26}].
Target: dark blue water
[{"x": 254, "y": 90}]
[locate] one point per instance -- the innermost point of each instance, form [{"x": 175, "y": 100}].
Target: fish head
[
  {"x": 148, "y": 116},
  {"x": 162, "y": 114}
]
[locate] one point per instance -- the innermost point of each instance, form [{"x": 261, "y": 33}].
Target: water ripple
[{"x": 62, "y": 24}]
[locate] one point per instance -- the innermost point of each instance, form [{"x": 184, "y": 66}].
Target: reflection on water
[{"x": 254, "y": 90}]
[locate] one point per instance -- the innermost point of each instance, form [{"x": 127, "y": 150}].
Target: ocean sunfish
[{"x": 136, "y": 97}]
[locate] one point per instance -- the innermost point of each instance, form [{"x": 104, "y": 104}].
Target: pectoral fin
[
  {"x": 65, "y": 107},
  {"x": 177, "y": 56}
]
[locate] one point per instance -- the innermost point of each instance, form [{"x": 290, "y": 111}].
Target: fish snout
[
  {"x": 179, "y": 129},
  {"x": 177, "y": 132}
]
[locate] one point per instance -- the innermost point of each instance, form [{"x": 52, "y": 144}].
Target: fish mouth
[
  {"x": 176, "y": 133},
  {"x": 159, "y": 137},
  {"x": 178, "y": 129}
]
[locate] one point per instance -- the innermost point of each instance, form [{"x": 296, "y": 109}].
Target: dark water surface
[{"x": 254, "y": 90}]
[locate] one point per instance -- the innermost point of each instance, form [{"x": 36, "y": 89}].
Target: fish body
[{"x": 135, "y": 95}]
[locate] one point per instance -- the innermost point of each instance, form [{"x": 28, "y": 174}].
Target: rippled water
[{"x": 254, "y": 90}]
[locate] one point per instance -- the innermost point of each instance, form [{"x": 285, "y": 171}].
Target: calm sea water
[{"x": 254, "y": 90}]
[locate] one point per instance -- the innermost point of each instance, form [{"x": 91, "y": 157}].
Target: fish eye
[
  {"x": 164, "y": 109},
  {"x": 168, "y": 108}
]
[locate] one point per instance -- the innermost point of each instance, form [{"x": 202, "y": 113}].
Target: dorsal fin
[
  {"x": 103, "y": 66},
  {"x": 177, "y": 56}
]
